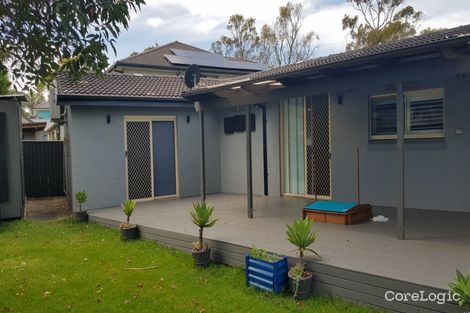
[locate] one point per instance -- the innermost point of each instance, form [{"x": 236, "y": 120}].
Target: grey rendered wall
[
  {"x": 13, "y": 208},
  {"x": 97, "y": 152},
  {"x": 437, "y": 171},
  {"x": 233, "y": 153}
]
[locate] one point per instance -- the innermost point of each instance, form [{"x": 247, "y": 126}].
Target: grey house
[
  {"x": 132, "y": 135},
  {"x": 403, "y": 107},
  {"x": 11, "y": 183},
  {"x": 400, "y": 110}
]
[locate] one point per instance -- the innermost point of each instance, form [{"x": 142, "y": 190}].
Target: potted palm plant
[
  {"x": 301, "y": 235},
  {"x": 461, "y": 288},
  {"x": 80, "y": 198},
  {"x": 201, "y": 216},
  {"x": 128, "y": 231}
]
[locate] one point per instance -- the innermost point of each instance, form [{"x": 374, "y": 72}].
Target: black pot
[
  {"x": 129, "y": 233},
  {"x": 80, "y": 216},
  {"x": 202, "y": 258},
  {"x": 303, "y": 289}
]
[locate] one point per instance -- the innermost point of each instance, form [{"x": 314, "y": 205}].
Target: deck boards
[{"x": 360, "y": 262}]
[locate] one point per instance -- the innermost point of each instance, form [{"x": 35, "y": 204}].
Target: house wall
[
  {"x": 437, "y": 170},
  {"x": 233, "y": 153},
  {"x": 97, "y": 150},
  {"x": 14, "y": 206}
]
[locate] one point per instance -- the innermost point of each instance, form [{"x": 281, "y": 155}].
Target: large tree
[
  {"x": 283, "y": 42},
  {"x": 278, "y": 44},
  {"x": 380, "y": 21},
  {"x": 39, "y": 38},
  {"x": 243, "y": 40}
]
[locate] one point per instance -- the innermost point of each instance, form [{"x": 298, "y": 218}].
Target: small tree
[
  {"x": 81, "y": 197},
  {"x": 202, "y": 217},
  {"x": 128, "y": 208},
  {"x": 301, "y": 235}
]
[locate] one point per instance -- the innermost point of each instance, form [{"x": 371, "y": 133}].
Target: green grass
[{"x": 68, "y": 267}]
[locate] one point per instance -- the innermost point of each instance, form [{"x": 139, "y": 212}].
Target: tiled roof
[
  {"x": 156, "y": 56},
  {"x": 124, "y": 85},
  {"x": 366, "y": 54}
]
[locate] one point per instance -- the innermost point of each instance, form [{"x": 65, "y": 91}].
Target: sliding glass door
[
  {"x": 294, "y": 154},
  {"x": 306, "y": 146}
]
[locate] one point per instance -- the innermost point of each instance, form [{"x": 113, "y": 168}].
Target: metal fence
[{"x": 43, "y": 168}]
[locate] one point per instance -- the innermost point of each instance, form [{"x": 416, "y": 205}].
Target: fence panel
[{"x": 44, "y": 168}]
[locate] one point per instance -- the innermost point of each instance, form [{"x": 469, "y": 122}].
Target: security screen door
[
  {"x": 150, "y": 158},
  {"x": 306, "y": 146}
]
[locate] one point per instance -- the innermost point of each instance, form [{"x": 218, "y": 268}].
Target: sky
[{"x": 200, "y": 22}]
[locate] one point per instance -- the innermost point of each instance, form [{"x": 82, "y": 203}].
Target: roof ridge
[
  {"x": 158, "y": 48},
  {"x": 423, "y": 40}
]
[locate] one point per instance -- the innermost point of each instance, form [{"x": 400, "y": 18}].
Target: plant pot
[
  {"x": 303, "y": 289},
  {"x": 202, "y": 258},
  {"x": 130, "y": 232},
  {"x": 265, "y": 275},
  {"x": 80, "y": 216}
]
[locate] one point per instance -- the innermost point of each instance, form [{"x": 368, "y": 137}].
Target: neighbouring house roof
[
  {"x": 406, "y": 47},
  {"x": 150, "y": 87},
  {"x": 33, "y": 123},
  {"x": 165, "y": 56}
]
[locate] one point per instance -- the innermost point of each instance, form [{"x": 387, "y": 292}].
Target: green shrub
[
  {"x": 461, "y": 287},
  {"x": 264, "y": 255},
  {"x": 81, "y": 197}
]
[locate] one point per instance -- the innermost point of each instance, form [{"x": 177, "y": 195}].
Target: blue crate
[{"x": 264, "y": 275}]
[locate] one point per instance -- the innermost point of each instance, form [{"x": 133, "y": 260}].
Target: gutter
[
  {"x": 191, "y": 94},
  {"x": 121, "y": 98}
]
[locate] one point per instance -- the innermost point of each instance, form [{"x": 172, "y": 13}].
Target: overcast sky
[{"x": 200, "y": 22}]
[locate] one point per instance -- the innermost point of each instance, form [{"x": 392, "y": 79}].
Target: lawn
[{"x": 68, "y": 267}]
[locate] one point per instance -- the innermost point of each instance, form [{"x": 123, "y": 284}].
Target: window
[
  {"x": 383, "y": 112},
  {"x": 424, "y": 111}
]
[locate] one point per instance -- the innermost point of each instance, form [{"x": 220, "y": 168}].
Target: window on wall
[
  {"x": 383, "y": 112},
  {"x": 294, "y": 155},
  {"x": 424, "y": 115}
]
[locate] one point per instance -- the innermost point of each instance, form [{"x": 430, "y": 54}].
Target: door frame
[
  {"x": 150, "y": 119},
  {"x": 282, "y": 158}
]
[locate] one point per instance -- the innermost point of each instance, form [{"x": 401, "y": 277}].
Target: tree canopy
[
  {"x": 278, "y": 44},
  {"x": 283, "y": 43},
  {"x": 40, "y": 38},
  {"x": 243, "y": 40},
  {"x": 380, "y": 21},
  {"x": 4, "y": 82}
]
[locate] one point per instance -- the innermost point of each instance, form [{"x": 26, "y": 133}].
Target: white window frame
[
  {"x": 425, "y": 94},
  {"x": 435, "y": 93}
]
